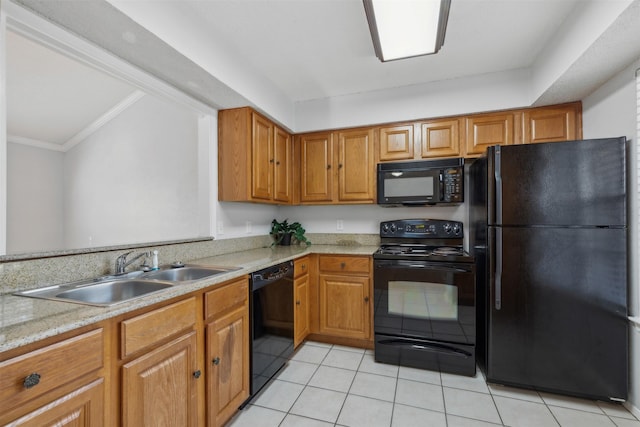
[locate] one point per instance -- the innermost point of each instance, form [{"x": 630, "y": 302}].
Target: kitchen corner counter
[{"x": 26, "y": 320}]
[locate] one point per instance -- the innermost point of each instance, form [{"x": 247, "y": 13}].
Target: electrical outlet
[
  {"x": 220, "y": 227},
  {"x": 248, "y": 227},
  {"x": 339, "y": 225}
]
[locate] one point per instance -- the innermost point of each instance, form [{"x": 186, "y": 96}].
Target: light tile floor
[{"x": 330, "y": 385}]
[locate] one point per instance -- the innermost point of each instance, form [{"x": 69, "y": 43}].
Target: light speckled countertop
[{"x": 26, "y": 320}]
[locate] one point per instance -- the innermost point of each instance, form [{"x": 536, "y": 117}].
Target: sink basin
[
  {"x": 102, "y": 293},
  {"x": 112, "y": 292},
  {"x": 186, "y": 273}
]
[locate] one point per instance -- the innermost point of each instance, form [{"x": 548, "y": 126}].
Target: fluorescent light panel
[{"x": 406, "y": 28}]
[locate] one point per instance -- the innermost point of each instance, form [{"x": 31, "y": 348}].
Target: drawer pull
[
  {"x": 343, "y": 265},
  {"x": 216, "y": 361},
  {"x": 31, "y": 380},
  {"x": 197, "y": 374}
]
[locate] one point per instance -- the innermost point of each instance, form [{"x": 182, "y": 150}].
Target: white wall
[
  {"x": 135, "y": 179},
  {"x": 611, "y": 111},
  {"x": 34, "y": 199},
  {"x": 487, "y": 92}
]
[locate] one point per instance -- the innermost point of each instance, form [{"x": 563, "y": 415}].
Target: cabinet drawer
[
  {"x": 147, "y": 329},
  {"x": 300, "y": 266},
  {"x": 344, "y": 264},
  {"x": 56, "y": 364},
  {"x": 226, "y": 297}
]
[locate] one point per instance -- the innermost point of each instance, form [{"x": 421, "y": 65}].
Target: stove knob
[
  {"x": 385, "y": 228},
  {"x": 456, "y": 229},
  {"x": 393, "y": 228},
  {"x": 447, "y": 228}
]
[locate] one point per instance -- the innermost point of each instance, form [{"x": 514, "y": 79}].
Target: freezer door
[
  {"x": 558, "y": 317},
  {"x": 561, "y": 183}
]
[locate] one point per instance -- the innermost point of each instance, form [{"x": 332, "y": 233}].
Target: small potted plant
[{"x": 283, "y": 233}]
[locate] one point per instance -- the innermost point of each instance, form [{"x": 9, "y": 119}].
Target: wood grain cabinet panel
[
  {"x": 396, "y": 142},
  {"x": 83, "y": 407},
  {"x": 440, "y": 138},
  {"x": 254, "y": 158},
  {"x": 337, "y": 167},
  {"x": 301, "y": 290},
  {"x": 344, "y": 299},
  {"x": 159, "y": 388},
  {"x": 552, "y": 124},
  {"x": 227, "y": 350},
  {"x": 316, "y": 164},
  {"x": 356, "y": 167},
  {"x": 485, "y": 130}
]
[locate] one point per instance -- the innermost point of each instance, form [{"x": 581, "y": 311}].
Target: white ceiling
[
  {"x": 302, "y": 50},
  {"x": 322, "y": 48}
]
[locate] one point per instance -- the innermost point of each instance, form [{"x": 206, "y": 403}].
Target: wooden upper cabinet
[
  {"x": 316, "y": 163},
  {"x": 283, "y": 166},
  {"x": 262, "y": 160},
  {"x": 337, "y": 167},
  {"x": 254, "y": 158},
  {"x": 396, "y": 142},
  {"x": 356, "y": 167},
  {"x": 552, "y": 124},
  {"x": 440, "y": 138},
  {"x": 485, "y": 130}
]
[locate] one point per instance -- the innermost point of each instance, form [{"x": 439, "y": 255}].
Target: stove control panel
[{"x": 421, "y": 228}]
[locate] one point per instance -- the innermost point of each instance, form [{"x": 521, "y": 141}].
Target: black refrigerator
[{"x": 549, "y": 232}]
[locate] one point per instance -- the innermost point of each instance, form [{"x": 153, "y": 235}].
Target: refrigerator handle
[
  {"x": 498, "y": 180},
  {"x": 498, "y": 271}
]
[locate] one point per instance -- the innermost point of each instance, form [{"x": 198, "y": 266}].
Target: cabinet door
[
  {"x": 485, "y": 130},
  {"x": 83, "y": 407},
  {"x": 344, "y": 306},
  {"x": 396, "y": 143},
  {"x": 356, "y": 167},
  {"x": 316, "y": 163},
  {"x": 551, "y": 124},
  {"x": 282, "y": 182},
  {"x": 301, "y": 314},
  {"x": 262, "y": 158},
  {"x": 228, "y": 362},
  {"x": 159, "y": 388},
  {"x": 440, "y": 139}
]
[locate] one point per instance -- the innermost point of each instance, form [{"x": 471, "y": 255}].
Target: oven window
[
  {"x": 402, "y": 187},
  {"x": 423, "y": 300}
]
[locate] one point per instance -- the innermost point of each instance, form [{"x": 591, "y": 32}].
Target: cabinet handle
[
  {"x": 31, "y": 380},
  {"x": 339, "y": 165},
  {"x": 298, "y": 302},
  {"x": 271, "y": 161},
  {"x": 278, "y": 163},
  {"x": 304, "y": 266},
  {"x": 366, "y": 299},
  {"x": 343, "y": 265},
  {"x": 216, "y": 361},
  {"x": 197, "y": 374},
  {"x": 328, "y": 166}
]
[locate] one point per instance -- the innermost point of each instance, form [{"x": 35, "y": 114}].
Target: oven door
[{"x": 425, "y": 300}]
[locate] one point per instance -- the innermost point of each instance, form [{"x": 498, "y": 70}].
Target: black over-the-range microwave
[{"x": 419, "y": 183}]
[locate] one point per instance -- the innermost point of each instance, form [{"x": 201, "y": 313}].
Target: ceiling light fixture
[{"x": 406, "y": 28}]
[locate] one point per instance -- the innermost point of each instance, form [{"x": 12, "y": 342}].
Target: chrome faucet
[{"x": 122, "y": 263}]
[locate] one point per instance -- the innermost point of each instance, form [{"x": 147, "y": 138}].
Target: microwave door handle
[{"x": 441, "y": 186}]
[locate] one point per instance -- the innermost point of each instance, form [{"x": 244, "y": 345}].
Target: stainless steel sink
[
  {"x": 103, "y": 293},
  {"x": 113, "y": 292},
  {"x": 109, "y": 290},
  {"x": 186, "y": 273}
]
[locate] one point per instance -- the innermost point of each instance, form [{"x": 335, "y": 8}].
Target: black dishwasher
[{"x": 271, "y": 305}]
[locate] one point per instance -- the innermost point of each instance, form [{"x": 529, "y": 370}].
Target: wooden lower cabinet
[
  {"x": 228, "y": 365},
  {"x": 301, "y": 313},
  {"x": 159, "y": 388},
  {"x": 83, "y": 407},
  {"x": 226, "y": 315}
]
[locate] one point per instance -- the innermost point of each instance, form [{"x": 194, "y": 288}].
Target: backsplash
[{"x": 16, "y": 275}]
